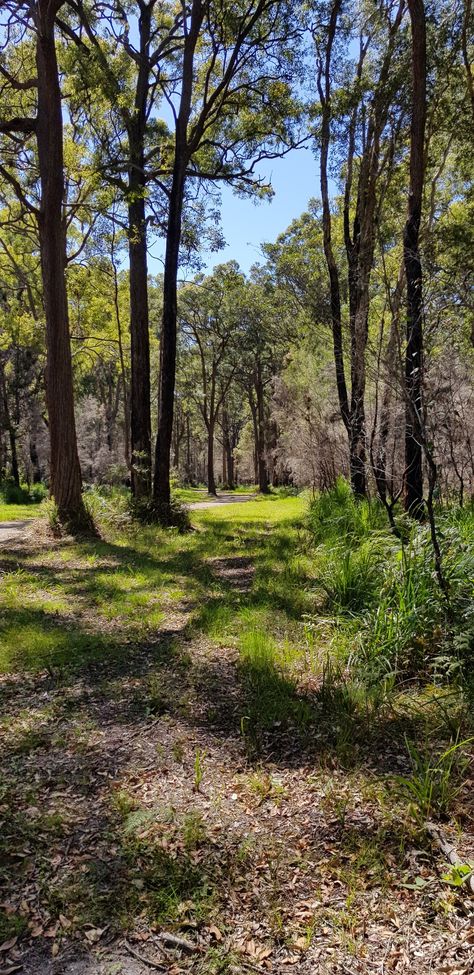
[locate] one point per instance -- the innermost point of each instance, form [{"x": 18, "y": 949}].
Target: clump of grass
[
  {"x": 271, "y": 695},
  {"x": 11, "y": 493},
  {"x": 336, "y": 515},
  {"x": 168, "y": 515},
  {"x": 435, "y": 780},
  {"x": 351, "y": 577},
  {"x": 11, "y": 926}
]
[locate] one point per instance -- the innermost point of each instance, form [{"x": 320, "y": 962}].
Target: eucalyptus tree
[
  {"x": 367, "y": 119},
  {"x": 268, "y": 330},
  {"x": 34, "y": 109},
  {"x": 122, "y": 51},
  {"x": 231, "y": 108},
  {"x": 21, "y": 348},
  {"x": 209, "y": 327},
  {"x": 414, "y": 429}
]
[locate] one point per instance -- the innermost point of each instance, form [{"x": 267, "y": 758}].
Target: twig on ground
[
  {"x": 449, "y": 851},
  {"x": 159, "y": 966},
  {"x": 177, "y": 942}
]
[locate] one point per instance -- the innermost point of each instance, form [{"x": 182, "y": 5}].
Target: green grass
[
  {"x": 253, "y": 653},
  {"x": 19, "y": 512}
]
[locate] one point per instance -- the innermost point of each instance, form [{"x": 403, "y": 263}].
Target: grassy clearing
[
  {"x": 221, "y": 731},
  {"x": 19, "y": 512}
]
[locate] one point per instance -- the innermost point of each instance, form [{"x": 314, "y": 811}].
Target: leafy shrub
[
  {"x": 149, "y": 512},
  {"x": 414, "y": 629},
  {"x": 12, "y": 494},
  {"x": 408, "y": 627}
]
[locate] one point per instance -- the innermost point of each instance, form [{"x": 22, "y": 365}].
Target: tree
[
  {"x": 365, "y": 130},
  {"x": 208, "y": 323},
  {"x": 413, "y": 271},
  {"x": 231, "y": 111},
  {"x": 47, "y": 125},
  {"x": 129, "y": 150}
]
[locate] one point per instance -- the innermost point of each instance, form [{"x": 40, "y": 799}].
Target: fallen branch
[
  {"x": 176, "y": 942},
  {"x": 145, "y": 961},
  {"x": 449, "y": 852}
]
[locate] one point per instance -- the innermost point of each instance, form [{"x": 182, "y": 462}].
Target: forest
[{"x": 236, "y": 496}]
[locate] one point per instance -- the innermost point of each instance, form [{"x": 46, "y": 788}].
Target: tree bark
[
  {"x": 140, "y": 408},
  {"x": 140, "y": 405},
  {"x": 211, "y": 480},
  {"x": 413, "y": 271},
  {"x": 262, "y": 466},
  {"x": 168, "y": 340},
  {"x": 161, "y": 486},
  {"x": 324, "y": 88},
  {"x": 66, "y": 485}
]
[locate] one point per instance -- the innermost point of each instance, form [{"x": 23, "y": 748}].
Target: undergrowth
[{"x": 406, "y": 626}]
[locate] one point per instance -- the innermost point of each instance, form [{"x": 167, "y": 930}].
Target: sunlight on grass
[{"x": 19, "y": 512}]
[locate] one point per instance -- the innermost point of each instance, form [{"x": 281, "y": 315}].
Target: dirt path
[
  {"x": 12, "y": 531},
  {"x": 141, "y": 800},
  {"x": 220, "y": 499}
]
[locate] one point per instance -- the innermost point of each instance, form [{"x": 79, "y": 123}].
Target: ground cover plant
[{"x": 200, "y": 744}]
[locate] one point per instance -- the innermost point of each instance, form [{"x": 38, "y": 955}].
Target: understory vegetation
[{"x": 259, "y": 718}]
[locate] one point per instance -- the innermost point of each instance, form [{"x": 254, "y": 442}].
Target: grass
[
  {"x": 175, "y": 686},
  {"x": 19, "y": 512}
]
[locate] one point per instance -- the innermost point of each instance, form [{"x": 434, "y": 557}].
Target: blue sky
[{"x": 246, "y": 225}]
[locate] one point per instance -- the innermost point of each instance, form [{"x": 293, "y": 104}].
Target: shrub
[
  {"x": 150, "y": 512},
  {"x": 13, "y": 494},
  {"x": 337, "y": 515},
  {"x": 350, "y": 578}
]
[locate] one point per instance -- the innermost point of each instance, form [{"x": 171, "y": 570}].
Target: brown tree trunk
[
  {"x": 261, "y": 463},
  {"x": 414, "y": 348},
  {"x": 324, "y": 88},
  {"x": 227, "y": 452},
  {"x": 65, "y": 469},
  {"x": 161, "y": 485},
  {"x": 140, "y": 406},
  {"x": 5, "y": 416},
  {"x": 224, "y": 465},
  {"x": 211, "y": 480},
  {"x": 140, "y": 409}
]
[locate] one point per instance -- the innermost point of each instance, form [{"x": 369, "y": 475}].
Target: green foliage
[
  {"x": 336, "y": 515},
  {"x": 10, "y": 493},
  {"x": 408, "y": 627},
  {"x": 350, "y": 578},
  {"x": 271, "y": 694},
  {"x": 149, "y": 511},
  {"x": 434, "y": 781}
]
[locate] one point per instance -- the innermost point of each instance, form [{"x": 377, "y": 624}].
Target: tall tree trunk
[
  {"x": 211, "y": 480},
  {"x": 227, "y": 452},
  {"x": 140, "y": 406},
  {"x": 66, "y": 485},
  {"x": 224, "y": 465},
  {"x": 357, "y": 428},
  {"x": 168, "y": 339},
  {"x": 161, "y": 485},
  {"x": 262, "y": 466},
  {"x": 413, "y": 271},
  {"x": 123, "y": 371},
  {"x": 324, "y": 88},
  {"x": 5, "y": 416}
]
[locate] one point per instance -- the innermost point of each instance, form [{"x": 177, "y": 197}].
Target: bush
[
  {"x": 338, "y": 515},
  {"x": 408, "y": 627},
  {"x": 350, "y": 578},
  {"x": 151, "y": 512},
  {"x": 12, "y": 494}
]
